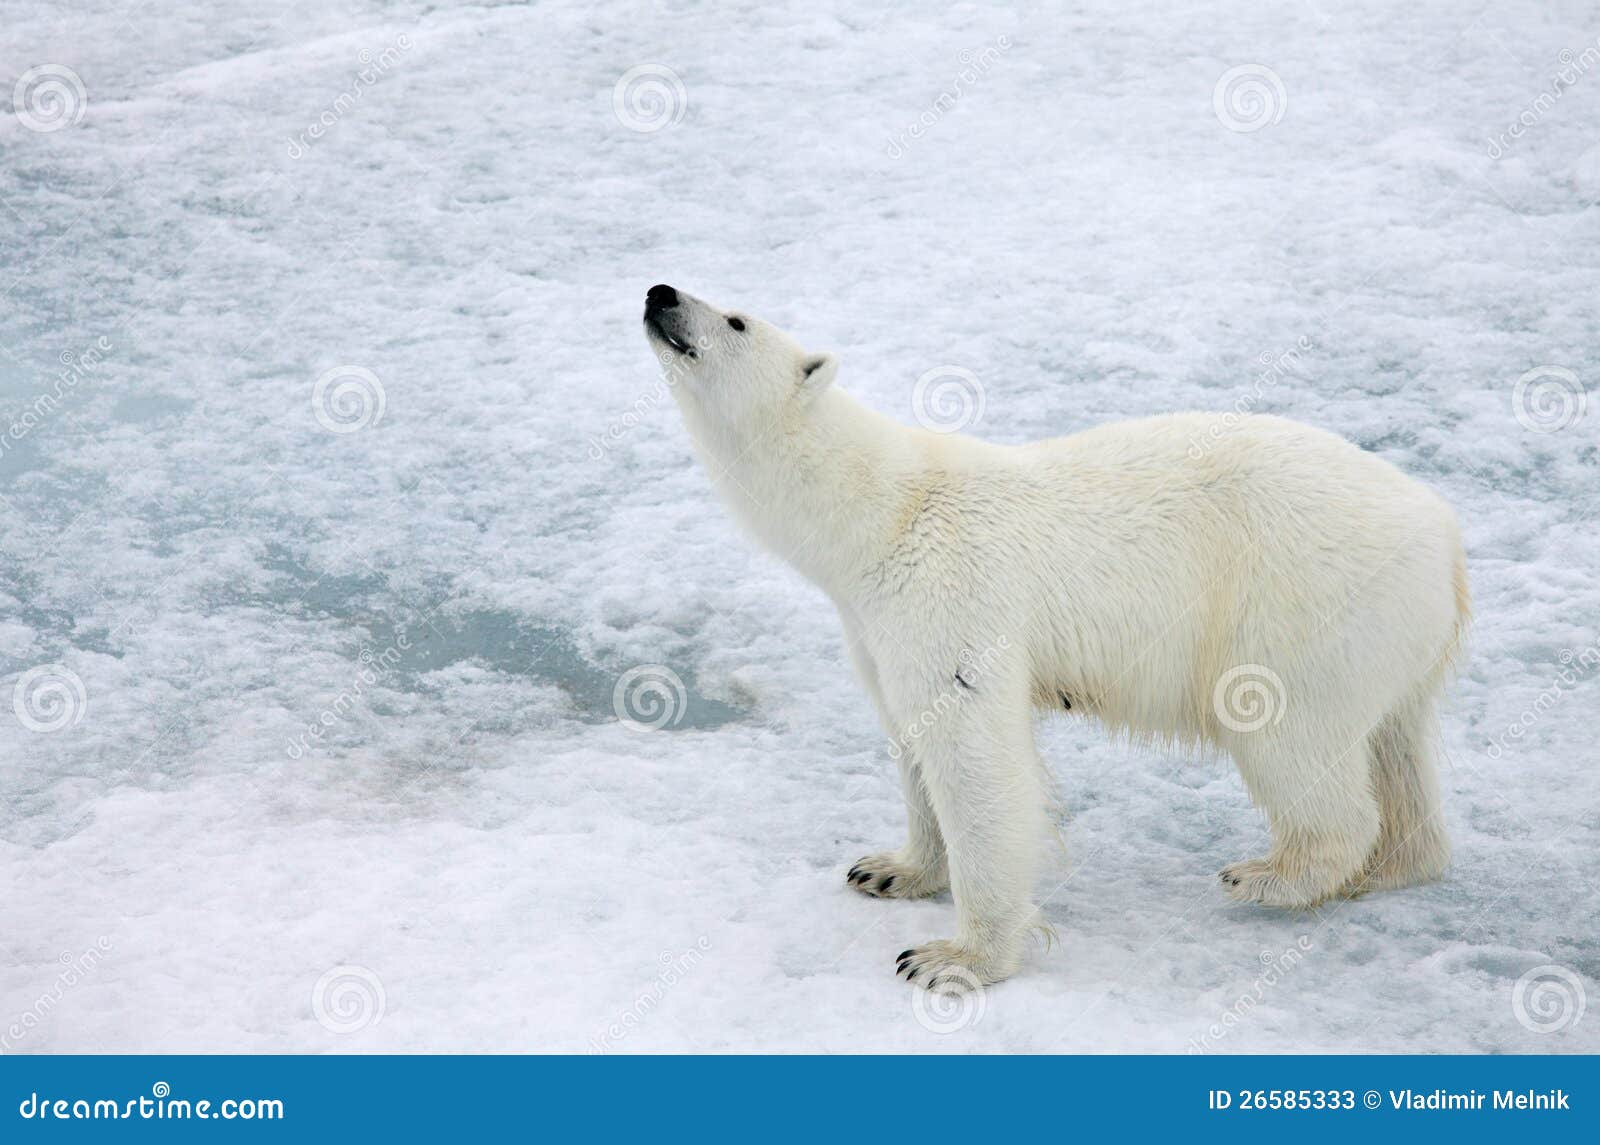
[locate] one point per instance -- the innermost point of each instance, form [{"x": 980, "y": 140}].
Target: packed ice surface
[{"x": 1319, "y": 211}]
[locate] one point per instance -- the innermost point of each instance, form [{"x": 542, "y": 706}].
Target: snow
[{"x": 472, "y": 852}]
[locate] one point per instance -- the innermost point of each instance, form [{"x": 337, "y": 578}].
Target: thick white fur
[{"x": 1146, "y": 572}]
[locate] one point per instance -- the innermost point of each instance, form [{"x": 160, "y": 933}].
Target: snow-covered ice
[{"x": 325, "y": 404}]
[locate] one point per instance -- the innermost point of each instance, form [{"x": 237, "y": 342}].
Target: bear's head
[{"x": 740, "y": 371}]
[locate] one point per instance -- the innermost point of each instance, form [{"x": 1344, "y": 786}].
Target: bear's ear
[{"x": 817, "y": 372}]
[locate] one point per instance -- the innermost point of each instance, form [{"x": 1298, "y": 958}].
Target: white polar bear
[{"x": 1246, "y": 583}]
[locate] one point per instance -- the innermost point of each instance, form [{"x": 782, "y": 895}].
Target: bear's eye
[{"x": 737, "y": 323}]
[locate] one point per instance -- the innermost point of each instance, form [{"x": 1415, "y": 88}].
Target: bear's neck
[{"x": 825, "y": 488}]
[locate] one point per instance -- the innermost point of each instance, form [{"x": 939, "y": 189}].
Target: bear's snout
[
  {"x": 660, "y": 297},
  {"x": 667, "y": 320}
]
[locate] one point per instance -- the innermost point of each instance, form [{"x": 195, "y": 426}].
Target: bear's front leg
[
  {"x": 917, "y": 869},
  {"x": 982, "y": 775}
]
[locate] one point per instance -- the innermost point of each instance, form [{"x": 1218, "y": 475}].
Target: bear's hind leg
[
  {"x": 1316, "y": 790},
  {"x": 1412, "y": 846}
]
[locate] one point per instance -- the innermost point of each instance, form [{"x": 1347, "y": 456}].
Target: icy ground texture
[{"x": 476, "y": 853}]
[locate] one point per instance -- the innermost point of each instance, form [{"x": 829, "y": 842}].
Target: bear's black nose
[{"x": 660, "y": 297}]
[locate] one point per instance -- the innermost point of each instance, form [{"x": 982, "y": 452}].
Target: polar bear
[{"x": 1246, "y": 584}]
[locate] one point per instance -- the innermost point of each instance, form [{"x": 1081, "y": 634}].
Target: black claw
[
  {"x": 888, "y": 881},
  {"x": 904, "y": 954},
  {"x": 913, "y": 974}
]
